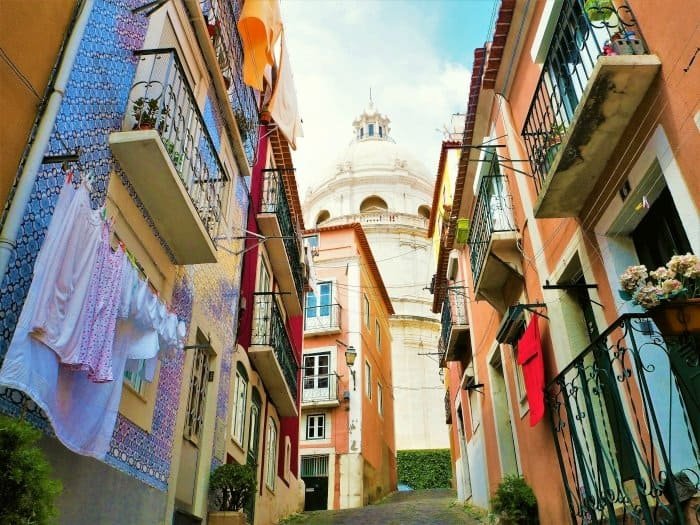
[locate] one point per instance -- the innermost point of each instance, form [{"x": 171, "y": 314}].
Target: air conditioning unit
[{"x": 452, "y": 265}]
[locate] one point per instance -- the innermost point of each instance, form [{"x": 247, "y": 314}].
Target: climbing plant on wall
[{"x": 424, "y": 469}]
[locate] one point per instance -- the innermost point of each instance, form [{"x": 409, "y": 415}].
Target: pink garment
[
  {"x": 102, "y": 308},
  {"x": 60, "y": 315}
]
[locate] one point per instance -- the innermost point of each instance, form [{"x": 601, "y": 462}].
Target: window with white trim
[
  {"x": 380, "y": 399},
  {"x": 240, "y": 396},
  {"x": 271, "y": 454},
  {"x": 378, "y": 335},
  {"x": 316, "y": 426},
  {"x": 368, "y": 380}
]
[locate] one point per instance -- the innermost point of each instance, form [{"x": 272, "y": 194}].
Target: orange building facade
[
  {"x": 347, "y": 442},
  {"x": 580, "y": 157}
]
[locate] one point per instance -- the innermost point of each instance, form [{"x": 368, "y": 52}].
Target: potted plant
[
  {"x": 27, "y": 490},
  {"x": 599, "y": 10},
  {"x": 245, "y": 126},
  {"x": 671, "y": 293},
  {"x": 514, "y": 502},
  {"x": 231, "y": 486},
  {"x": 552, "y": 143},
  {"x": 176, "y": 156},
  {"x": 146, "y": 112}
]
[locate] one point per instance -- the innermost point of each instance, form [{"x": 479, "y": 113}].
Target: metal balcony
[
  {"x": 322, "y": 320},
  {"x": 454, "y": 335},
  {"x": 493, "y": 236},
  {"x": 169, "y": 158},
  {"x": 593, "y": 79},
  {"x": 221, "y": 18},
  {"x": 320, "y": 391},
  {"x": 283, "y": 241},
  {"x": 271, "y": 353},
  {"x": 626, "y": 423}
]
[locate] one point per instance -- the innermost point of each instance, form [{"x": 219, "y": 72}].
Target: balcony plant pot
[
  {"x": 232, "y": 517},
  {"x": 680, "y": 317},
  {"x": 599, "y": 10}
]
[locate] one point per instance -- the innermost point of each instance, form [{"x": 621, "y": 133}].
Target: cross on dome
[{"x": 371, "y": 125}]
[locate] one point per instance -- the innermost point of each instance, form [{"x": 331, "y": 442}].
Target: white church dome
[{"x": 371, "y": 173}]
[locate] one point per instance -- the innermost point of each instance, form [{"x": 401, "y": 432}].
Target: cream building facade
[{"x": 380, "y": 185}]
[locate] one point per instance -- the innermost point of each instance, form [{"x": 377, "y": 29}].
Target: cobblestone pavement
[{"x": 420, "y": 507}]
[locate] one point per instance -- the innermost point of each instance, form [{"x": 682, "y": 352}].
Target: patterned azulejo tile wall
[{"x": 93, "y": 107}]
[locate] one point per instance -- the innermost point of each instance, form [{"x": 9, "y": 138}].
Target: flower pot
[
  {"x": 599, "y": 10},
  {"x": 226, "y": 518},
  {"x": 677, "y": 317}
]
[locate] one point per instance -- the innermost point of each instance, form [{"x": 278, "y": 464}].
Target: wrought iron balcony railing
[
  {"x": 493, "y": 213},
  {"x": 322, "y": 388},
  {"x": 222, "y": 22},
  {"x": 583, "y": 33},
  {"x": 274, "y": 200},
  {"x": 269, "y": 330},
  {"x": 322, "y": 318},
  {"x": 626, "y": 422},
  {"x": 161, "y": 99},
  {"x": 453, "y": 319}
]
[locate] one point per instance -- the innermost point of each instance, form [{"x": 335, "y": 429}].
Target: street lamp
[{"x": 350, "y": 355}]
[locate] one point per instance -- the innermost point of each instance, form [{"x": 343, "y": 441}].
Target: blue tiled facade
[{"x": 93, "y": 107}]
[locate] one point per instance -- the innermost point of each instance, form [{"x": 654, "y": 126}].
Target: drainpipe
[{"x": 26, "y": 180}]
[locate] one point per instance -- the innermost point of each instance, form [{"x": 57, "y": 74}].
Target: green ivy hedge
[{"x": 425, "y": 469}]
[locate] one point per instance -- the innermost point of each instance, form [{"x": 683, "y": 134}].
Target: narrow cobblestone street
[{"x": 420, "y": 507}]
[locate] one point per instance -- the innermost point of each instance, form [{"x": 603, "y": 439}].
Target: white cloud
[{"x": 339, "y": 49}]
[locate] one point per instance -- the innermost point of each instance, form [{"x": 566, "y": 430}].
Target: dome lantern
[{"x": 371, "y": 125}]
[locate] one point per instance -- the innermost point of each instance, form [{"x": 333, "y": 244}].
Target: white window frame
[
  {"x": 316, "y": 426},
  {"x": 271, "y": 454},
  {"x": 380, "y": 399},
  {"x": 240, "y": 400},
  {"x": 378, "y": 335},
  {"x": 368, "y": 380}
]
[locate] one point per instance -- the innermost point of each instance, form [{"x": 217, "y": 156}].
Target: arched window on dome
[
  {"x": 424, "y": 211},
  {"x": 373, "y": 204},
  {"x": 322, "y": 216},
  {"x": 370, "y": 130}
]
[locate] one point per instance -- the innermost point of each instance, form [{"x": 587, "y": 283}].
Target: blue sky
[{"x": 416, "y": 55}]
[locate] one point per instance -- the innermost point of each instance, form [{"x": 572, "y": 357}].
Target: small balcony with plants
[
  {"x": 322, "y": 319},
  {"x": 272, "y": 354},
  {"x": 625, "y": 415},
  {"x": 594, "y": 76},
  {"x": 282, "y": 241},
  {"x": 320, "y": 391},
  {"x": 493, "y": 236},
  {"x": 216, "y": 25},
  {"x": 454, "y": 333},
  {"x": 169, "y": 158}
]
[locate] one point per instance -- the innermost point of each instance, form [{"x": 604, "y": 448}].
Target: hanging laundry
[
  {"x": 83, "y": 412},
  {"x": 60, "y": 315},
  {"x": 102, "y": 309},
  {"x": 532, "y": 362}
]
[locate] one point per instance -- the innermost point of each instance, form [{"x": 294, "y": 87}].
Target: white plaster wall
[{"x": 477, "y": 470}]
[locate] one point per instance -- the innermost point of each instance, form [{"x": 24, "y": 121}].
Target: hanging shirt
[
  {"x": 59, "y": 316},
  {"x": 530, "y": 358}
]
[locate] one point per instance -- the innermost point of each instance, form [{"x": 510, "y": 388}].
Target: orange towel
[
  {"x": 283, "y": 104},
  {"x": 259, "y": 26}
]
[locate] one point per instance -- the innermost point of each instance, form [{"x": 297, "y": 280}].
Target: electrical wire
[{"x": 18, "y": 73}]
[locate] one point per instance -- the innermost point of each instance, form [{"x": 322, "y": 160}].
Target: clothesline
[{"x": 87, "y": 318}]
